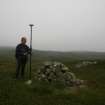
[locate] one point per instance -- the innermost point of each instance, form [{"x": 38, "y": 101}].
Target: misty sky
[{"x": 64, "y": 25}]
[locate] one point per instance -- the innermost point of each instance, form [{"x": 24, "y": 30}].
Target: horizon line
[{"x": 67, "y": 51}]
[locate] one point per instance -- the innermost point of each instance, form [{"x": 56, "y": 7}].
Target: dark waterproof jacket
[{"x": 22, "y": 50}]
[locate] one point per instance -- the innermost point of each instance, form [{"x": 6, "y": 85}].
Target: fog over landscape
[{"x": 61, "y": 25}]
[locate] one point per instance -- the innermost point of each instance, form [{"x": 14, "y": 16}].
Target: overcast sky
[{"x": 64, "y": 25}]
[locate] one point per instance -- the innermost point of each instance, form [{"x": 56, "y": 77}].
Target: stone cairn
[{"x": 57, "y": 72}]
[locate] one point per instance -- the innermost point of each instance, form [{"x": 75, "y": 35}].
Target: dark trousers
[{"x": 20, "y": 67}]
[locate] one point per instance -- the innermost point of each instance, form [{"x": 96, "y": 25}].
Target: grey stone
[{"x": 57, "y": 72}]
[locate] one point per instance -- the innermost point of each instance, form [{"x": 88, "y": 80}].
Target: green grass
[{"x": 16, "y": 92}]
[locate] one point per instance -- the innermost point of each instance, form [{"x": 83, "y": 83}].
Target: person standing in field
[{"x": 21, "y": 54}]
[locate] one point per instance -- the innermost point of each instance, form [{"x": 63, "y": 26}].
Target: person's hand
[
  {"x": 25, "y": 53},
  {"x": 30, "y": 51}
]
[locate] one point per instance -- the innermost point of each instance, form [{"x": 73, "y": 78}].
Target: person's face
[{"x": 23, "y": 41}]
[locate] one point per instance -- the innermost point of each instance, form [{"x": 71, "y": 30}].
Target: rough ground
[{"x": 16, "y": 92}]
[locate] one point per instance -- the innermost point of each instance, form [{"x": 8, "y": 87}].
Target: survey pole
[{"x": 30, "y": 59}]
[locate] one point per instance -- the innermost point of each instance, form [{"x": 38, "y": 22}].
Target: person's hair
[{"x": 23, "y": 38}]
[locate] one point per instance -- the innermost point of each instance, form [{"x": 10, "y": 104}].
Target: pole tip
[
  {"x": 29, "y": 82},
  {"x": 31, "y": 25}
]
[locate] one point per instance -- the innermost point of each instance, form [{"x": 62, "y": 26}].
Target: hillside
[
  {"x": 16, "y": 92},
  {"x": 52, "y": 55}
]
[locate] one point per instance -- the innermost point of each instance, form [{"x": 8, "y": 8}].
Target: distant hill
[{"x": 55, "y": 55}]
